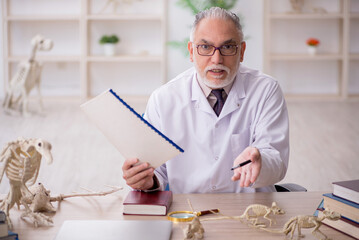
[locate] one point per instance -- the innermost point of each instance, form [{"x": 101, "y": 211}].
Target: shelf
[
  {"x": 354, "y": 15},
  {"x": 306, "y": 57},
  {"x": 126, "y": 17},
  {"x": 306, "y": 16},
  {"x": 77, "y": 58},
  {"x": 125, "y": 58},
  {"x": 43, "y": 18},
  {"x": 46, "y": 58},
  {"x": 354, "y": 56},
  {"x": 332, "y": 71}
]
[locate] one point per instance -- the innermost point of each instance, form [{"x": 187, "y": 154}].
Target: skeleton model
[
  {"x": 261, "y": 211},
  {"x": 256, "y": 210},
  {"x": 306, "y": 221},
  {"x": 27, "y": 76},
  {"x": 194, "y": 230},
  {"x": 40, "y": 201},
  {"x": 22, "y": 160}
]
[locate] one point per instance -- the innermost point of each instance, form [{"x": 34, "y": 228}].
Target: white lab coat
[{"x": 254, "y": 114}]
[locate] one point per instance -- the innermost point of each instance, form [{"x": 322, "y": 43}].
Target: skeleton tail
[
  {"x": 272, "y": 230},
  {"x": 244, "y": 213}
]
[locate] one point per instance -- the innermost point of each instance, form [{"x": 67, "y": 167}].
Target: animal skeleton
[
  {"x": 261, "y": 210},
  {"x": 258, "y": 210},
  {"x": 297, "y": 222},
  {"x": 40, "y": 201},
  {"x": 193, "y": 230},
  {"x": 306, "y": 221},
  {"x": 22, "y": 159},
  {"x": 27, "y": 76}
]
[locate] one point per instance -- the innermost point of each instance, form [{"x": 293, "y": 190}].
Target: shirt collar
[{"x": 207, "y": 91}]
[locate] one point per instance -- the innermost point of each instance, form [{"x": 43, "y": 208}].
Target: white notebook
[
  {"x": 128, "y": 131},
  {"x": 115, "y": 230}
]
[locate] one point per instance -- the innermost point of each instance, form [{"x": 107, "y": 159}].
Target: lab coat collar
[
  {"x": 233, "y": 100},
  {"x": 198, "y": 97}
]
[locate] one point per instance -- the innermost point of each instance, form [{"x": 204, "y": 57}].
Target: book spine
[
  {"x": 169, "y": 201},
  {"x": 342, "y": 200},
  {"x": 146, "y": 122}
]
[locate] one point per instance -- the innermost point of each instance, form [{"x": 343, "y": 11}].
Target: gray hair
[{"x": 217, "y": 12}]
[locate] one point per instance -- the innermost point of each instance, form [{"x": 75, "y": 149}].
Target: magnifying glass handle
[{"x": 207, "y": 212}]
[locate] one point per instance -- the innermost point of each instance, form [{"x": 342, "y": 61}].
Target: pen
[{"x": 241, "y": 164}]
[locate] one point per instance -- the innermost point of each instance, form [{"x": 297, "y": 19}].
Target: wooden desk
[{"x": 110, "y": 208}]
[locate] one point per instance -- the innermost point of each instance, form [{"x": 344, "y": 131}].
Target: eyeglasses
[{"x": 209, "y": 50}]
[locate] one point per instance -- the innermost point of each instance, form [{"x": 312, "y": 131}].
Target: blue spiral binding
[{"x": 146, "y": 122}]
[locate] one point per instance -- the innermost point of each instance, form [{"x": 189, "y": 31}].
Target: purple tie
[{"x": 220, "y": 101}]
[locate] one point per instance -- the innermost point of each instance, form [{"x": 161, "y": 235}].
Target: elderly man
[{"x": 222, "y": 114}]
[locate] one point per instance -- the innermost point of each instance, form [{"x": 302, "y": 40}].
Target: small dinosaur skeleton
[
  {"x": 261, "y": 210},
  {"x": 41, "y": 202},
  {"x": 193, "y": 230},
  {"x": 257, "y": 210},
  {"x": 306, "y": 221},
  {"x": 22, "y": 159},
  {"x": 27, "y": 77}
]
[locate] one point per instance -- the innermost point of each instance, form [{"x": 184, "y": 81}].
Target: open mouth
[
  {"x": 218, "y": 73},
  {"x": 217, "y": 70}
]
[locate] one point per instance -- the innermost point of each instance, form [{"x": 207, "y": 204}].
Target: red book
[
  {"x": 147, "y": 203},
  {"x": 347, "y": 189}
]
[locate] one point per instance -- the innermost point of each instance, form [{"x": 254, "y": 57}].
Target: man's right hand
[{"x": 139, "y": 176}]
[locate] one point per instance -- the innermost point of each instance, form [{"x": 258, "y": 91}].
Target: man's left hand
[{"x": 249, "y": 173}]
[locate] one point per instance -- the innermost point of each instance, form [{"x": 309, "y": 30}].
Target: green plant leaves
[{"x": 109, "y": 39}]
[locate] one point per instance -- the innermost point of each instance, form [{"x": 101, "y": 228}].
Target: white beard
[{"x": 218, "y": 84}]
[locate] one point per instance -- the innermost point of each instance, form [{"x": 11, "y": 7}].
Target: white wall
[{"x": 179, "y": 21}]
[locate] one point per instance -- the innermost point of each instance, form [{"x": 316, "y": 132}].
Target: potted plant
[
  {"x": 109, "y": 43},
  {"x": 312, "y": 44}
]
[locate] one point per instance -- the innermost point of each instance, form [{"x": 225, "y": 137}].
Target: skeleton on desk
[{"x": 21, "y": 163}]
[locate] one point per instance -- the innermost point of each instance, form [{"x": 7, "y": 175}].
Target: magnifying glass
[{"x": 187, "y": 216}]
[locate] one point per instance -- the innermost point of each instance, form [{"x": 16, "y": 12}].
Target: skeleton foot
[
  {"x": 37, "y": 218},
  {"x": 9, "y": 223},
  {"x": 300, "y": 236},
  {"x": 260, "y": 225},
  {"x": 199, "y": 236},
  {"x": 254, "y": 223},
  {"x": 12, "y": 112}
]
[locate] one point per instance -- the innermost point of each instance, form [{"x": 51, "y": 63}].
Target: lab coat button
[
  {"x": 213, "y": 187},
  {"x": 216, "y": 158}
]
